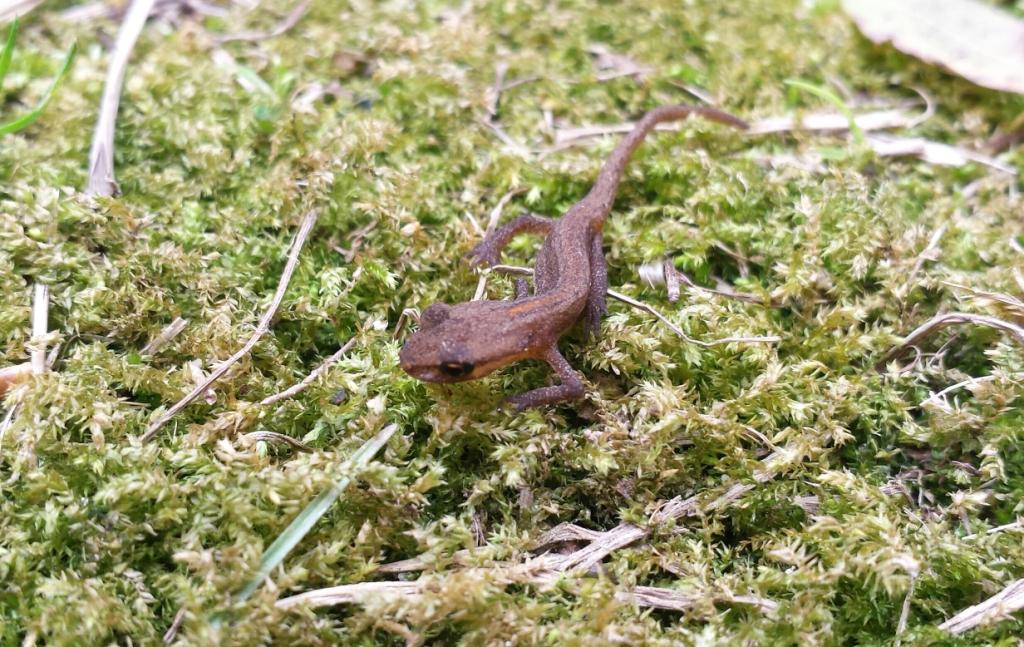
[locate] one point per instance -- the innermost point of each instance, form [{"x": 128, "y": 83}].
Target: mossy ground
[{"x": 103, "y": 539}]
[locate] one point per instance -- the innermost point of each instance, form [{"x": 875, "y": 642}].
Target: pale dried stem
[
  {"x": 626, "y": 533},
  {"x": 937, "y": 398},
  {"x": 40, "y": 325},
  {"x": 1016, "y": 525},
  {"x": 274, "y": 437},
  {"x": 901, "y": 626},
  {"x": 289, "y": 21},
  {"x": 995, "y": 609},
  {"x": 481, "y": 287},
  {"x": 309, "y": 379},
  {"x": 495, "y": 215},
  {"x": 939, "y": 322},
  {"x": 261, "y": 328},
  {"x": 165, "y": 336},
  {"x": 772, "y": 339},
  {"x": 925, "y": 255},
  {"x": 172, "y": 631},
  {"x": 666, "y": 273},
  {"x": 11, "y": 9},
  {"x": 101, "y": 179},
  {"x": 537, "y": 571}
]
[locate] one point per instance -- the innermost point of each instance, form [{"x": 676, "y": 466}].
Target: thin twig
[
  {"x": 1015, "y": 525},
  {"x": 481, "y": 287},
  {"x": 995, "y": 609},
  {"x": 289, "y": 21},
  {"x": 772, "y": 339},
  {"x": 172, "y": 631},
  {"x": 500, "y": 70},
  {"x": 169, "y": 332},
  {"x": 407, "y": 314},
  {"x": 40, "y": 326},
  {"x": 939, "y": 322},
  {"x": 626, "y": 533},
  {"x": 901, "y": 626},
  {"x": 261, "y": 328},
  {"x": 925, "y": 255},
  {"x": 540, "y": 571},
  {"x": 101, "y": 179},
  {"x": 273, "y": 436},
  {"x": 769, "y": 339},
  {"x": 519, "y": 149},
  {"x": 309, "y": 379},
  {"x": 665, "y": 272},
  {"x": 495, "y": 215},
  {"x": 936, "y": 397}
]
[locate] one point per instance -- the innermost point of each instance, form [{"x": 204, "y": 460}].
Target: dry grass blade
[
  {"x": 536, "y": 572},
  {"x": 656, "y": 597},
  {"x": 348, "y": 593},
  {"x": 939, "y": 397},
  {"x": 12, "y": 9},
  {"x": 289, "y": 21},
  {"x": 1016, "y": 525},
  {"x": 261, "y": 328},
  {"x": 995, "y": 609},
  {"x": 769, "y": 339},
  {"x": 495, "y": 215},
  {"x": 973, "y": 39},
  {"x": 929, "y": 253},
  {"x": 933, "y": 152},
  {"x": 1007, "y": 302},
  {"x": 309, "y": 379},
  {"x": 626, "y": 533},
  {"x": 101, "y": 156},
  {"x": 40, "y": 326},
  {"x": 274, "y": 437},
  {"x": 901, "y": 626},
  {"x": 165, "y": 337},
  {"x": 665, "y": 273},
  {"x": 939, "y": 322},
  {"x": 172, "y": 631},
  {"x": 833, "y": 122}
]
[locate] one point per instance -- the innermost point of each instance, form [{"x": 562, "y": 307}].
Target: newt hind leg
[
  {"x": 597, "y": 303},
  {"x": 488, "y": 251},
  {"x": 571, "y": 387}
]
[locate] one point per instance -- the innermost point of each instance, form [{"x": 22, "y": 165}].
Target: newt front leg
[
  {"x": 571, "y": 387},
  {"x": 488, "y": 251}
]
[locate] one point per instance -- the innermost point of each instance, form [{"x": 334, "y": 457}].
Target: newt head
[{"x": 460, "y": 343}]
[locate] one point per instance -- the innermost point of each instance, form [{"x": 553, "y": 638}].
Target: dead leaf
[{"x": 975, "y": 40}]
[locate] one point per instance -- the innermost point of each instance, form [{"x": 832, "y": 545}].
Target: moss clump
[{"x": 372, "y": 113}]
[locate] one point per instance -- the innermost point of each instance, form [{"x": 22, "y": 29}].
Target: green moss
[{"x": 102, "y": 539}]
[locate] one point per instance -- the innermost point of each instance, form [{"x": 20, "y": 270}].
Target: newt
[{"x": 467, "y": 341}]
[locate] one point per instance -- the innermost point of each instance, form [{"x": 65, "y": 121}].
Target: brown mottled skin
[{"x": 467, "y": 341}]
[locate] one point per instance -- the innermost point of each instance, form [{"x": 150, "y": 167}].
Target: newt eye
[{"x": 456, "y": 369}]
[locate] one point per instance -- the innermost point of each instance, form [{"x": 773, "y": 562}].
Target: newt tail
[{"x": 469, "y": 340}]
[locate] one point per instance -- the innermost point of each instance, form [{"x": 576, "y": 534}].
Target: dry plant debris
[
  {"x": 974, "y": 39},
  {"x": 755, "y": 493}
]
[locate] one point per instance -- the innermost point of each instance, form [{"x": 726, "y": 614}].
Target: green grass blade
[
  {"x": 32, "y": 115},
  {"x": 5, "y": 56},
  {"x": 833, "y": 98},
  {"x": 302, "y": 524}
]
